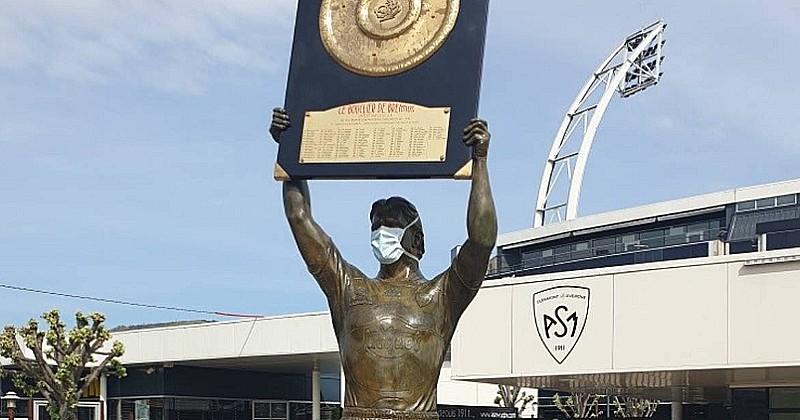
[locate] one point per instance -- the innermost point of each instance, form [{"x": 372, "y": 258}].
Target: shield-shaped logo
[{"x": 560, "y": 316}]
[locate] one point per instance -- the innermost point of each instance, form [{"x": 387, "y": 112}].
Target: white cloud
[{"x": 173, "y": 46}]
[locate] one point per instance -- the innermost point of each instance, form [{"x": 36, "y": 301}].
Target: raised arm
[
  {"x": 316, "y": 247},
  {"x": 314, "y": 244},
  {"x": 473, "y": 258}
]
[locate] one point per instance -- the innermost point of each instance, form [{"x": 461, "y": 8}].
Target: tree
[
  {"x": 578, "y": 405},
  {"x": 63, "y": 365},
  {"x": 634, "y": 407},
  {"x": 510, "y": 396}
]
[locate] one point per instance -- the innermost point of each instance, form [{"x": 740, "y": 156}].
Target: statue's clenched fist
[
  {"x": 477, "y": 136},
  {"x": 280, "y": 122}
]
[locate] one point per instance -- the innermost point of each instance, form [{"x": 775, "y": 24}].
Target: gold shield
[{"x": 385, "y": 37}]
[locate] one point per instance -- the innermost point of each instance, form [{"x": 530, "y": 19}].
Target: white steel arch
[{"x": 632, "y": 67}]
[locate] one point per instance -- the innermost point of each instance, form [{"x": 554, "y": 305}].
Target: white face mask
[{"x": 387, "y": 243}]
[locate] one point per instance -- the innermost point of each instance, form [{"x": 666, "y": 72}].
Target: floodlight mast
[{"x": 632, "y": 67}]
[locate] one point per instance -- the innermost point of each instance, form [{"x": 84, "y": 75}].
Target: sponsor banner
[{"x": 460, "y": 412}]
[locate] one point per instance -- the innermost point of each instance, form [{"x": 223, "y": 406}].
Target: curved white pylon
[{"x": 632, "y": 67}]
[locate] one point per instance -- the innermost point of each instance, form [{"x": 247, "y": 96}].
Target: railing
[{"x": 498, "y": 270}]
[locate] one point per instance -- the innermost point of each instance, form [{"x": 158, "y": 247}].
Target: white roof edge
[
  {"x": 653, "y": 210},
  {"x": 223, "y": 323}
]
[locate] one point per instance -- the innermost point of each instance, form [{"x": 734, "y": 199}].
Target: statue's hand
[
  {"x": 477, "y": 136},
  {"x": 280, "y": 122}
]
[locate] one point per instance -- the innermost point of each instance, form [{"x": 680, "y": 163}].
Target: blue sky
[{"x": 134, "y": 162}]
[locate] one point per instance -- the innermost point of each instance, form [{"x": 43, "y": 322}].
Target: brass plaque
[
  {"x": 385, "y": 37},
  {"x": 381, "y": 131}
]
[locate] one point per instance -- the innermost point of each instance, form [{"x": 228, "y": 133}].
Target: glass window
[
  {"x": 562, "y": 253},
  {"x": 746, "y": 206},
  {"x": 677, "y": 230},
  {"x": 627, "y": 242},
  {"x": 652, "y": 238},
  {"x": 231, "y": 410},
  {"x": 191, "y": 409},
  {"x": 144, "y": 409},
  {"x": 547, "y": 257},
  {"x": 697, "y": 227},
  {"x": 581, "y": 250},
  {"x": 269, "y": 410},
  {"x": 765, "y": 203},
  {"x": 784, "y": 398},
  {"x": 675, "y": 235},
  {"x": 603, "y": 246},
  {"x": 141, "y": 410},
  {"x": 81, "y": 413},
  {"x": 260, "y": 410},
  {"x": 531, "y": 258},
  {"x": 784, "y": 416},
  {"x": 20, "y": 411},
  {"x": 302, "y": 411},
  {"x": 787, "y": 200},
  {"x": 278, "y": 411},
  {"x": 330, "y": 412},
  {"x": 299, "y": 411},
  {"x": 697, "y": 232}
]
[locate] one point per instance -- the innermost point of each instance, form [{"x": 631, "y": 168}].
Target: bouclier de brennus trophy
[
  {"x": 375, "y": 87},
  {"x": 380, "y": 89}
]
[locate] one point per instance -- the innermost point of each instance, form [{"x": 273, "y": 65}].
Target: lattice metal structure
[{"x": 631, "y": 68}]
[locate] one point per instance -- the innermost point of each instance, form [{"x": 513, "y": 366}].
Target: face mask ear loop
[{"x": 410, "y": 255}]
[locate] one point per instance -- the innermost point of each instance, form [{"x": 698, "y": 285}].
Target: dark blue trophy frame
[{"x": 449, "y": 78}]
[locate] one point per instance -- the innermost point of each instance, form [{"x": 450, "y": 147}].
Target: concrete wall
[{"x": 707, "y": 313}]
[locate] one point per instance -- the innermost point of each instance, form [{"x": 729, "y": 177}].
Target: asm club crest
[{"x": 560, "y": 316}]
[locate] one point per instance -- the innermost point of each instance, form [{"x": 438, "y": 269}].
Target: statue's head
[{"x": 396, "y": 230}]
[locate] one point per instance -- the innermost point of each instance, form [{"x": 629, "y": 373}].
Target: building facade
[{"x": 690, "y": 302}]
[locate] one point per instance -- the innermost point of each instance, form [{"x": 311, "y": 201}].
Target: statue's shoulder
[
  {"x": 358, "y": 288},
  {"x": 354, "y": 274}
]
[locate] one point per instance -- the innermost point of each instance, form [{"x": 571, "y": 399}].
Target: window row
[
  {"x": 216, "y": 409},
  {"x": 636, "y": 241},
  {"x": 767, "y": 203}
]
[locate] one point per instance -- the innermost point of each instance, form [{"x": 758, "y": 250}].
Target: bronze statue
[{"x": 395, "y": 329}]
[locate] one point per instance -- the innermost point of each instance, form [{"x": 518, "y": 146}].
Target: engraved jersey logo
[
  {"x": 560, "y": 317},
  {"x": 388, "y": 10},
  {"x": 393, "y": 292},
  {"x": 388, "y": 342},
  {"x": 360, "y": 296}
]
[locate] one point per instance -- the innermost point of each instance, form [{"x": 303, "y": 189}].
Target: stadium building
[{"x": 690, "y": 302}]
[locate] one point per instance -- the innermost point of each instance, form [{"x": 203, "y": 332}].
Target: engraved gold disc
[{"x": 385, "y": 37}]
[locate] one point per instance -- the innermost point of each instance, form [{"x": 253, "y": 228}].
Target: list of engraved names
[{"x": 375, "y": 132}]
